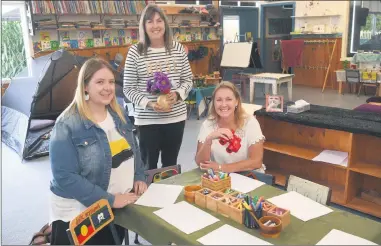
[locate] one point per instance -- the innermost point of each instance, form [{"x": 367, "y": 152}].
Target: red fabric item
[{"x": 292, "y": 51}]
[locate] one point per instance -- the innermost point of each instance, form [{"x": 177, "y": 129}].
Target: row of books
[{"x": 88, "y": 7}]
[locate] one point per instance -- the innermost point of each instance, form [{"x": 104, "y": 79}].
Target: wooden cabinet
[
  {"x": 290, "y": 148},
  {"x": 315, "y": 62}
]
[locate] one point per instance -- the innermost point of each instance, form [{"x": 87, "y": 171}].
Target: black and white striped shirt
[{"x": 140, "y": 68}]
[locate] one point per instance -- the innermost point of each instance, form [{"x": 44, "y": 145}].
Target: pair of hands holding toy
[
  {"x": 226, "y": 137},
  {"x": 172, "y": 98}
]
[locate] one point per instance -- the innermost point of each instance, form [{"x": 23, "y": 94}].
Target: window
[
  {"x": 364, "y": 26},
  {"x": 185, "y": 2},
  {"x": 228, "y": 3},
  {"x": 230, "y": 28},
  {"x": 205, "y": 2},
  {"x": 243, "y": 3},
  {"x": 247, "y": 4},
  {"x": 15, "y": 40},
  {"x": 194, "y": 2}
]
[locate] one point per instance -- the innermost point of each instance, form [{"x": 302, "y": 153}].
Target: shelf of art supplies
[{"x": 290, "y": 148}]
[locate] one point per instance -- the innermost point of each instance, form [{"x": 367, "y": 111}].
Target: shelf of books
[{"x": 91, "y": 24}]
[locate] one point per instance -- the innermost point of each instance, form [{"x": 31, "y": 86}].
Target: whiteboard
[{"x": 236, "y": 55}]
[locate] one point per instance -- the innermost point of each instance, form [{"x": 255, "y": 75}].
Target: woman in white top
[{"x": 226, "y": 114}]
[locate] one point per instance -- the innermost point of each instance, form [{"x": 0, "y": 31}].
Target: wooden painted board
[{"x": 91, "y": 221}]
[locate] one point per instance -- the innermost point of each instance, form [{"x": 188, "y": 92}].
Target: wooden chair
[
  {"x": 314, "y": 191},
  {"x": 369, "y": 79},
  {"x": 263, "y": 177},
  {"x": 155, "y": 175},
  {"x": 83, "y": 227}
]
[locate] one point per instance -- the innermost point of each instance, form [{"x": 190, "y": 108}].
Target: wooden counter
[{"x": 291, "y": 145}]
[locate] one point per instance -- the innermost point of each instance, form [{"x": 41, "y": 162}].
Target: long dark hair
[{"x": 144, "y": 41}]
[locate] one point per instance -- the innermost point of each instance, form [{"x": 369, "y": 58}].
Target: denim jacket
[{"x": 81, "y": 160}]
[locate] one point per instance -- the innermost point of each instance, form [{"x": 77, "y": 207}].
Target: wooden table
[
  {"x": 273, "y": 79},
  {"x": 155, "y": 230}
]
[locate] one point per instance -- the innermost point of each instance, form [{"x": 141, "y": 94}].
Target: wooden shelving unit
[{"x": 290, "y": 148}]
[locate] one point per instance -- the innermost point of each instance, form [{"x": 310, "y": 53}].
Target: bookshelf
[
  {"x": 290, "y": 148},
  {"x": 91, "y": 24}
]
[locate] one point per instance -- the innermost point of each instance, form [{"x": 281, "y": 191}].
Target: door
[
  {"x": 276, "y": 25},
  {"x": 238, "y": 21}
]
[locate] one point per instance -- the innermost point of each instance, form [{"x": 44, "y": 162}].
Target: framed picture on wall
[{"x": 274, "y": 103}]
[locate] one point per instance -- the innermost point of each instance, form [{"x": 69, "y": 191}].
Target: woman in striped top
[{"x": 160, "y": 129}]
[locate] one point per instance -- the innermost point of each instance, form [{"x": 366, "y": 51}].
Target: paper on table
[
  {"x": 186, "y": 217},
  {"x": 332, "y": 156},
  {"x": 229, "y": 235},
  {"x": 160, "y": 195},
  {"x": 244, "y": 184},
  {"x": 251, "y": 108},
  {"x": 300, "y": 206},
  {"x": 336, "y": 237}
]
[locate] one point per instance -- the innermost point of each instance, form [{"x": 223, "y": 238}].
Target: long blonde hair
[
  {"x": 144, "y": 41},
  {"x": 239, "y": 114},
  {"x": 88, "y": 69}
]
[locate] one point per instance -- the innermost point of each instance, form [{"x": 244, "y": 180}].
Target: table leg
[
  {"x": 252, "y": 90},
  {"x": 340, "y": 87},
  {"x": 267, "y": 89},
  {"x": 274, "y": 88},
  {"x": 289, "y": 87}
]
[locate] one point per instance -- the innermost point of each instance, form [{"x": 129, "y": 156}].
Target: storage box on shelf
[{"x": 290, "y": 148}]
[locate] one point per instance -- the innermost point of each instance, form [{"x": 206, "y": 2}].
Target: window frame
[
  {"x": 239, "y": 4},
  {"x": 26, "y": 38}
]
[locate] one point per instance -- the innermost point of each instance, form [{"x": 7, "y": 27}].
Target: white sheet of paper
[
  {"x": 186, "y": 217},
  {"x": 229, "y": 235},
  {"x": 251, "y": 108},
  {"x": 331, "y": 156},
  {"x": 244, "y": 184},
  {"x": 300, "y": 206},
  {"x": 160, "y": 195},
  {"x": 336, "y": 237}
]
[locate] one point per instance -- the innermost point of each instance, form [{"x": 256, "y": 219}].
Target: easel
[
  {"x": 330, "y": 61},
  {"x": 237, "y": 57}
]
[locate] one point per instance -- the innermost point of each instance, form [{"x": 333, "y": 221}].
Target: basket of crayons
[{"x": 215, "y": 181}]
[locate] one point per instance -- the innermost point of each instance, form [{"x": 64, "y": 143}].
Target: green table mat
[{"x": 143, "y": 221}]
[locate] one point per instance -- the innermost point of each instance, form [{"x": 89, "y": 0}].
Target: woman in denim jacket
[{"x": 93, "y": 154}]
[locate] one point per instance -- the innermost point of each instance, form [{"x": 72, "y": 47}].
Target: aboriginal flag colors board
[
  {"x": 90, "y": 221},
  {"x": 84, "y": 231}
]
